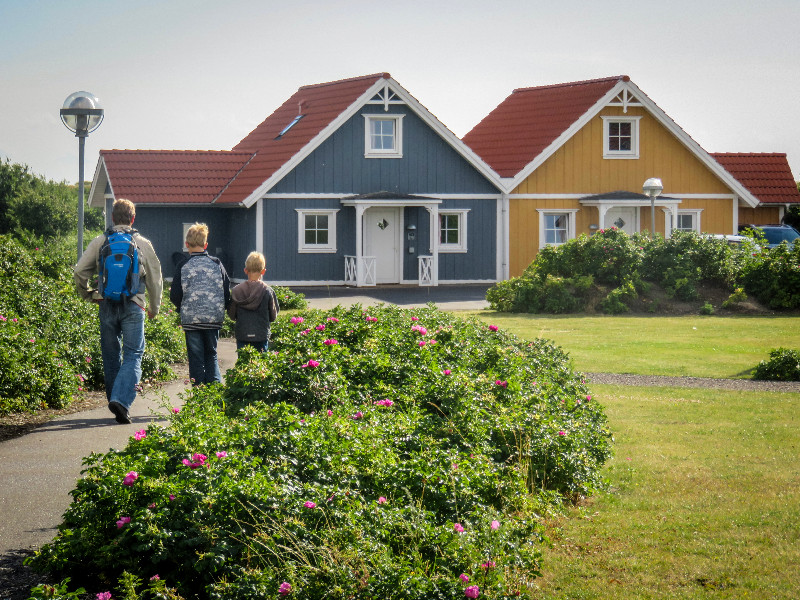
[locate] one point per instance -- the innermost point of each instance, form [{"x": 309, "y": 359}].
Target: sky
[{"x": 202, "y": 74}]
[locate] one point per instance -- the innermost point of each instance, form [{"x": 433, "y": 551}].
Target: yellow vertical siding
[
  {"x": 578, "y": 167},
  {"x": 763, "y": 215}
]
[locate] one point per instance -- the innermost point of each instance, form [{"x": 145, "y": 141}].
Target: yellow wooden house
[{"x": 574, "y": 157}]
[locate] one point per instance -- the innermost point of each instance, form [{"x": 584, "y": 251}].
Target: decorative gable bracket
[
  {"x": 386, "y": 97},
  {"x": 624, "y": 99}
]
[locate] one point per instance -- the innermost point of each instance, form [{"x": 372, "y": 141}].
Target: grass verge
[
  {"x": 723, "y": 347},
  {"x": 704, "y": 501}
]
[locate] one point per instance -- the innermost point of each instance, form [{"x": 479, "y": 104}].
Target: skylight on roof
[{"x": 289, "y": 126}]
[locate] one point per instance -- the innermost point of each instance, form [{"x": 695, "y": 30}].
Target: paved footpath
[{"x": 38, "y": 470}]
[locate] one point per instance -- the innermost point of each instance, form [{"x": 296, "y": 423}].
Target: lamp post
[
  {"x": 81, "y": 114},
  {"x": 652, "y": 187}
]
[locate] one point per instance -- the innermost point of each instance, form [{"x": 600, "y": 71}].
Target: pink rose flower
[
  {"x": 464, "y": 577},
  {"x": 458, "y": 528},
  {"x": 296, "y": 320},
  {"x": 104, "y": 596},
  {"x": 495, "y": 525},
  {"x": 562, "y": 433},
  {"x": 330, "y": 342},
  {"x": 122, "y": 522},
  {"x": 320, "y": 327},
  {"x": 381, "y": 500},
  {"x": 140, "y": 435},
  {"x": 222, "y": 454},
  {"x": 472, "y": 591},
  {"x": 130, "y": 478},
  {"x": 493, "y": 327},
  {"x": 285, "y": 589},
  {"x": 309, "y": 504}
]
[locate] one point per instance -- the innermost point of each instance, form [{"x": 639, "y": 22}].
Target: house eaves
[{"x": 401, "y": 93}]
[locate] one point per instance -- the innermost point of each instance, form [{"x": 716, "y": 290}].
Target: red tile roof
[
  {"x": 530, "y": 119},
  {"x": 171, "y": 176},
  {"x": 766, "y": 175},
  {"x": 319, "y": 104}
]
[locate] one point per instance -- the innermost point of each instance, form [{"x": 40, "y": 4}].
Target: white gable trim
[
  {"x": 365, "y": 98},
  {"x": 98, "y": 189},
  {"x": 698, "y": 151},
  {"x": 565, "y": 136},
  {"x": 607, "y": 99}
]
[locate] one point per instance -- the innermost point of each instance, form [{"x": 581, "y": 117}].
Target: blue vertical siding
[
  {"x": 231, "y": 233},
  {"x": 479, "y": 262},
  {"x": 429, "y": 164},
  {"x": 284, "y": 262}
]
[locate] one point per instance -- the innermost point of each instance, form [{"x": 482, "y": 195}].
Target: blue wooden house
[{"x": 351, "y": 182}]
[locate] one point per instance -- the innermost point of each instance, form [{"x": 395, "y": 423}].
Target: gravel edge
[{"x": 744, "y": 385}]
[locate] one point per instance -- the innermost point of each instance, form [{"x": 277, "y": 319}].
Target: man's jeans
[
  {"x": 201, "y": 346},
  {"x": 121, "y": 324}
]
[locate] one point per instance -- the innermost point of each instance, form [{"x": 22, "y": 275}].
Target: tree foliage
[{"x": 32, "y": 206}]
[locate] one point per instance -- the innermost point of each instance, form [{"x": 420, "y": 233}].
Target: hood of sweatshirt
[{"x": 248, "y": 294}]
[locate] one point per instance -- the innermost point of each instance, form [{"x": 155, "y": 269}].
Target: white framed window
[
  {"x": 316, "y": 230},
  {"x": 556, "y": 227},
  {"x": 621, "y": 137},
  {"x": 453, "y": 230},
  {"x": 383, "y": 136},
  {"x": 688, "y": 220}
]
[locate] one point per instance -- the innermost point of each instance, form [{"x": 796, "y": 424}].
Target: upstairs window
[
  {"x": 383, "y": 136},
  {"x": 621, "y": 137}
]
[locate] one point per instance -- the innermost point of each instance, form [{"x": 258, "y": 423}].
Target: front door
[
  {"x": 624, "y": 218},
  {"x": 382, "y": 240}
]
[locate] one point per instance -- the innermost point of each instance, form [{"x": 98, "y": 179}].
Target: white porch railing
[
  {"x": 359, "y": 271},
  {"x": 425, "y": 270}
]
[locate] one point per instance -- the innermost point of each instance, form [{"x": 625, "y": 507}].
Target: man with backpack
[{"x": 126, "y": 265}]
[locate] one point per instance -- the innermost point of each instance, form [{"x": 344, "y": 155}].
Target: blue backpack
[{"x": 118, "y": 276}]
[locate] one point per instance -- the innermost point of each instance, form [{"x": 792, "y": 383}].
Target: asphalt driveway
[{"x": 446, "y": 297}]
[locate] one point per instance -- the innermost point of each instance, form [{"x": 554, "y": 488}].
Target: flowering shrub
[
  {"x": 389, "y": 470},
  {"x": 50, "y": 339}
]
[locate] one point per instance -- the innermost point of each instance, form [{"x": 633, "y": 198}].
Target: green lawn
[
  {"x": 704, "y": 501},
  {"x": 704, "y": 497},
  {"x": 727, "y": 347}
]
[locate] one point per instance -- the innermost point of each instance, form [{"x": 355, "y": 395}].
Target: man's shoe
[{"x": 120, "y": 413}]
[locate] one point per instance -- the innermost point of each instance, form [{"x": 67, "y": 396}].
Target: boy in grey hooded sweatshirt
[{"x": 254, "y": 305}]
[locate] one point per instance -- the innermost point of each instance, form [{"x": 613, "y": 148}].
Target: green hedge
[{"x": 614, "y": 269}]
